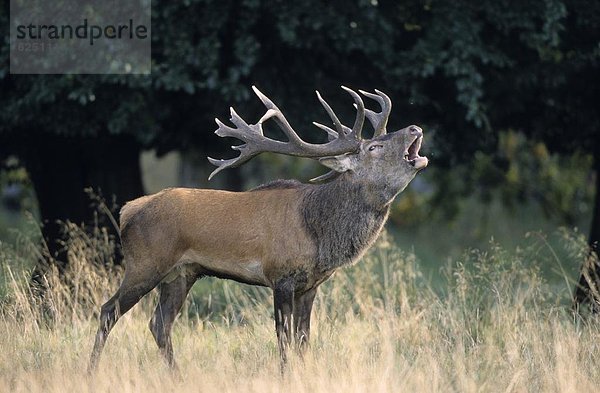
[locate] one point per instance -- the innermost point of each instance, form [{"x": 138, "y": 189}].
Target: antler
[
  {"x": 343, "y": 140},
  {"x": 341, "y": 130},
  {"x": 379, "y": 119}
]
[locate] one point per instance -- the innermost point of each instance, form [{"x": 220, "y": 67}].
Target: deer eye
[{"x": 373, "y": 147}]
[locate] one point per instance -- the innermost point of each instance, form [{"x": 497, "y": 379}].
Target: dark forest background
[{"x": 507, "y": 93}]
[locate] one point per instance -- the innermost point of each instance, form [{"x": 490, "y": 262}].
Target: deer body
[
  {"x": 237, "y": 234},
  {"x": 321, "y": 234},
  {"x": 285, "y": 235}
]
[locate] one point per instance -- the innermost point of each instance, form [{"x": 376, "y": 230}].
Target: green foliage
[
  {"x": 519, "y": 172},
  {"x": 13, "y": 173},
  {"x": 462, "y": 67},
  {"x": 16, "y": 197},
  {"x": 560, "y": 184},
  {"x": 521, "y": 188}
]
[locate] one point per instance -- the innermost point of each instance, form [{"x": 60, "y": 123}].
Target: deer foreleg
[{"x": 283, "y": 295}]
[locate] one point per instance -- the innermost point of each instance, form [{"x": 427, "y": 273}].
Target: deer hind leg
[
  {"x": 302, "y": 310},
  {"x": 132, "y": 289},
  {"x": 172, "y": 297}
]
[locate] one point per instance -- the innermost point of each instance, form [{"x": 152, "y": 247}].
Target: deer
[{"x": 285, "y": 235}]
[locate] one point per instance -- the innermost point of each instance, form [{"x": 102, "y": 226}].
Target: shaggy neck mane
[{"x": 342, "y": 221}]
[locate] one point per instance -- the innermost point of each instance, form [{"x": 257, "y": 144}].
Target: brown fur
[{"x": 246, "y": 226}]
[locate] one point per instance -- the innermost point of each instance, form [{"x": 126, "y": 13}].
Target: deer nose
[{"x": 415, "y": 130}]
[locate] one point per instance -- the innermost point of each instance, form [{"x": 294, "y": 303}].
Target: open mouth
[{"x": 411, "y": 155}]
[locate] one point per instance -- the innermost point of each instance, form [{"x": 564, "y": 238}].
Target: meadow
[{"x": 499, "y": 323}]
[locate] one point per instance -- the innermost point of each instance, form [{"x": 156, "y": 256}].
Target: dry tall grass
[{"x": 497, "y": 327}]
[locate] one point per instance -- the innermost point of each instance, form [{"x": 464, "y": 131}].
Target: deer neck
[{"x": 343, "y": 218}]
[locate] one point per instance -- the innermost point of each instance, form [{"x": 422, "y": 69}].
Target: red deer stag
[{"x": 284, "y": 235}]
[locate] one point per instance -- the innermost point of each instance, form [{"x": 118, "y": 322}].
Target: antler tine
[
  {"x": 246, "y": 154},
  {"x": 340, "y": 128},
  {"x": 360, "y": 113},
  {"x": 331, "y": 134},
  {"x": 325, "y": 177},
  {"x": 379, "y": 119},
  {"x": 255, "y": 142},
  {"x": 273, "y": 111}
]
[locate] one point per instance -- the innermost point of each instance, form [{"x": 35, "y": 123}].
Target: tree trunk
[
  {"x": 588, "y": 289},
  {"x": 62, "y": 167}
]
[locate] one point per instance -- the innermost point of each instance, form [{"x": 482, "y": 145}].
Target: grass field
[{"x": 496, "y": 325}]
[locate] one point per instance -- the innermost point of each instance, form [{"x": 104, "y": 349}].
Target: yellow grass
[{"x": 497, "y": 327}]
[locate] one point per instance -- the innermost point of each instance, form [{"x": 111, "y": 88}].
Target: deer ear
[{"x": 340, "y": 163}]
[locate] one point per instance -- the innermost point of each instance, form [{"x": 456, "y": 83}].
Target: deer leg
[
  {"x": 132, "y": 289},
  {"x": 302, "y": 310},
  {"x": 172, "y": 297},
  {"x": 283, "y": 296}
]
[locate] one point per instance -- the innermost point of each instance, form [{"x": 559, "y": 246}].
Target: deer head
[{"x": 389, "y": 161}]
